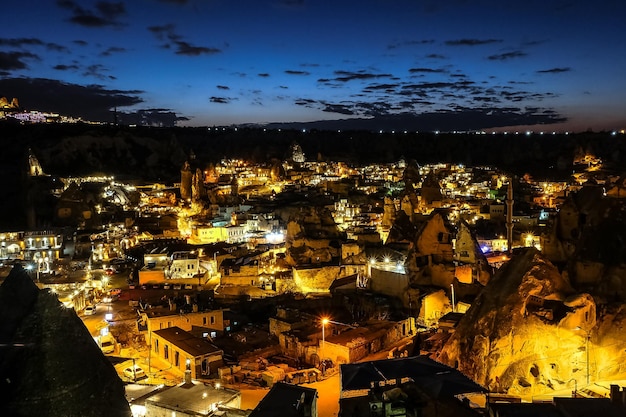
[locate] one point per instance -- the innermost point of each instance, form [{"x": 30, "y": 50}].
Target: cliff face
[
  {"x": 50, "y": 364},
  {"x": 530, "y": 333}
]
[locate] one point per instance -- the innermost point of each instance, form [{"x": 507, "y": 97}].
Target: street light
[
  {"x": 325, "y": 321},
  {"x": 588, "y": 333}
]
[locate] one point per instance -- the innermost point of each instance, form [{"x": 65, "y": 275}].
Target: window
[
  {"x": 176, "y": 358},
  {"x": 212, "y": 319},
  {"x": 166, "y": 352},
  {"x": 204, "y": 320},
  {"x": 156, "y": 346}
]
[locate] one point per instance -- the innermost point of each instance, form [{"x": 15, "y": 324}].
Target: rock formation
[
  {"x": 529, "y": 332},
  {"x": 50, "y": 364},
  {"x": 13, "y": 105}
]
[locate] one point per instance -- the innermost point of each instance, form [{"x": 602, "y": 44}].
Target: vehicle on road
[
  {"x": 109, "y": 298},
  {"x": 107, "y": 343},
  {"x": 90, "y": 310},
  {"x": 134, "y": 373}
]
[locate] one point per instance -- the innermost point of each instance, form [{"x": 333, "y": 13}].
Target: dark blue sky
[{"x": 528, "y": 64}]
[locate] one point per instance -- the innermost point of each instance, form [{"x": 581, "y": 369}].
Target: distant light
[
  {"x": 108, "y": 316},
  {"x": 303, "y": 130},
  {"x": 436, "y": 132},
  {"x": 380, "y": 131}
]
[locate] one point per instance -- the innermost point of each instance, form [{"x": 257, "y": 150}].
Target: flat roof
[{"x": 187, "y": 342}]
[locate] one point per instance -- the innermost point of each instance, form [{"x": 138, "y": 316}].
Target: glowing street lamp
[{"x": 325, "y": 321}]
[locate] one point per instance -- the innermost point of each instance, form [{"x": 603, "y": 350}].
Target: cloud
[
  {"x": 63, "y": 67},
  {"x": 506, "y": 55},
  {"x": 112, "y": 50},
  {"x": 471, "y": 42},
  {"x": 338, "y": 108},
  {"x": 223, "y": 87},
  {"x": 410, "y": 43},
  {"x": 163, "y": 32},
  {"x": 185, "y": 48},
  {"x": 97, "y": 71},
  {"x": 263, "y": 75},
  {"x": 105, "y": 13},
  {"x": 554, "y": 70},
  {"x": 345, "y": 76},
  {"x": 181, "y": 2},
  {"x": 167, "y": 34},
  {"x": 297, "y": 72},
  {"x": 80, "y": 42},
  {"x": 426, "y": 70},
  {"x": 29, "y": 42},
  {"x": 461, "y": 119},
  {"x": 435, "y": 56},
  {"x": 150, "y": 117},
  {"x": 91, "y": 102},
  {"x": 10, "y": 61},
  {"x": 220, "y": 100}
]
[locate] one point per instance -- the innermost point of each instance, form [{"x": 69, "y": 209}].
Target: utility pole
[{"x": 509, "y": 217}]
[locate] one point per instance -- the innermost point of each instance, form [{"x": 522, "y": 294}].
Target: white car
[
  {"x": 90, "y": 310},
  {"x": 107, "y": 344},
  {"x": 134, "y": 374}
]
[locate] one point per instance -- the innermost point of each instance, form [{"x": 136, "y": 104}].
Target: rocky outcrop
[
  {"x": 309, "y": 236},
  {"x": 13, "y": 105},
  {"x": 529, "y": 332},
  {"x": 50, "y": 364}
]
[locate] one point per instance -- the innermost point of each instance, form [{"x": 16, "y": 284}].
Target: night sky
[{"x": 511, "y": 64}]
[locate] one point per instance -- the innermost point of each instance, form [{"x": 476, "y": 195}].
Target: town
[{"x": 335, "y": 285}]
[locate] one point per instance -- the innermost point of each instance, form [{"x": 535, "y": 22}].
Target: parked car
[
  {"x": 109, "y": 298},
  {"x": 135, "y": 373},
  {"x": 90, "y": 310},
  {"x": 107, "y": 344}
]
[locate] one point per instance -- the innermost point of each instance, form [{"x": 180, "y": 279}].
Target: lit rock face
[
  {"x": 50, "y": 364},
  {"x": 526, "y": 333},
  {"x": 308, "y": 236}
]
